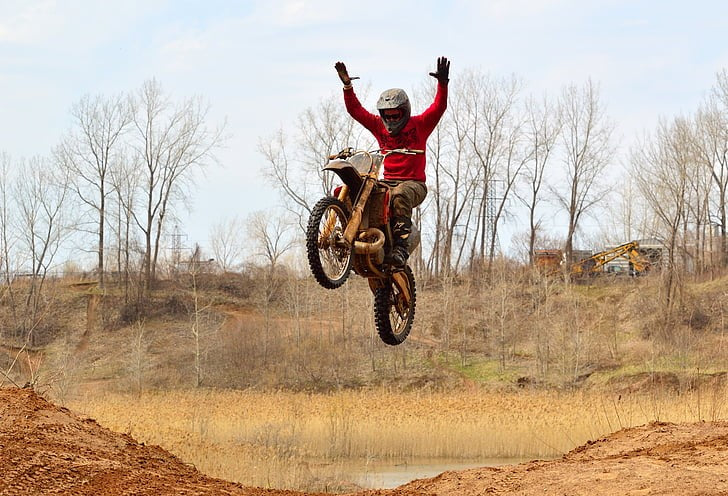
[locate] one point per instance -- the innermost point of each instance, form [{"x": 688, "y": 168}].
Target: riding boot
[{"x": 401, "y": 230}]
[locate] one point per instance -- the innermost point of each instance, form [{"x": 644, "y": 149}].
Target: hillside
[{"x": 244, "y": 331}]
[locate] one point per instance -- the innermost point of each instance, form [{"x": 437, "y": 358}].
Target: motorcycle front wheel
[
  {"x": 394, "y": 312},
  {"x": 328, "y": 256}
]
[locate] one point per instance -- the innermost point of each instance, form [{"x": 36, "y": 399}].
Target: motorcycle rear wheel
[
  {"x": 393, "y": 315},
  {"x": 329, "y": 259}
]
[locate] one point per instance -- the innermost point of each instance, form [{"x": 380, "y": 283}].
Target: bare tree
[
  {"x": 454, "y": 178},
  {"x": 518, "y": 154},
  {"x": 172, "y": 141},
  {"x": 629, "y": 218},
  {"x": 125, "y": 180},
  {"x": 586, "y": 138},
  {"x": 574, "y": 338},
  {"x": 503, "y": 307},
  {"x": 40, "y": 194},
  {"x": 324, "y": 130},
  {"x": 543, "y": 126},
  {"x": 227, "y": 243},
  {"x": 271, "y": 237},
  {"x": 296, "y": 168},
  {"x": 661, "y": 164},
  {"x": 90, "y": 151},
  {"x": 476, "y": 146},
  {"x": 286, "y": 176},
  {"x": 697, "y": 216},
  {"x": 493, "y": 134},
  {"x": 8, "y": 237},
  {"x": 712, "y": 150},
  {"x": 542, "y": 301},
  {"x": 197, "y": 325}
]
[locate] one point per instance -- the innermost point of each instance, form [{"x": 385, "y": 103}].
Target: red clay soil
[{"x": 45, "y": 449}]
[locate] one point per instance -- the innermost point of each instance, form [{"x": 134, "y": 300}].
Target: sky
[{"x": 260, "y": 63}]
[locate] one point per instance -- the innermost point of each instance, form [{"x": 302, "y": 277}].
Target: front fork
[
  {"x": 331, "y": 220},
  {"x": 352, "y": 228},
  {"x": 343, "y": 193}
]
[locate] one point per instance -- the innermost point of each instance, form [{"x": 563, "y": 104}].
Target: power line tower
[
  {"x": 491, "y": 202},
  {"x": 177, "y": 246}
]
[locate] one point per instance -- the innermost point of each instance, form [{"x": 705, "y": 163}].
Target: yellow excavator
[{"x": 549, "y": 262}]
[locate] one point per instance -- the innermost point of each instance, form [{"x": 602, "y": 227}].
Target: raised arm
[
  {"x": 442, "y": 74},
  {"x": 353, "y": 105},
  {"x": 434, "y": 112}
]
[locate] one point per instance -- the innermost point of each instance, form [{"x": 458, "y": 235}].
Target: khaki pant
[{"x": 406, "y": 195}]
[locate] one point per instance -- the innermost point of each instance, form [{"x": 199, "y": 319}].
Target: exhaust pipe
[{"x": 369, "y": 247}]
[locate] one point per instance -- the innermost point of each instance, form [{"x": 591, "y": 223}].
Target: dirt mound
[
  {"x": 45, "y": 449},
  {"x": 659, "y": 458}
]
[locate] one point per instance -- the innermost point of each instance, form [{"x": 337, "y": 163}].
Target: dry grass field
[
  {"x": 299, "y": 440},
  {"x": 508, "y": 369}
]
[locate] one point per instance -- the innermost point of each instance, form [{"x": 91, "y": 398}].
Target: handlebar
[
  {"x": 345, "y": 153},
  {"x": 348, "y": 152},
  {"x": 404, "y": 151}
]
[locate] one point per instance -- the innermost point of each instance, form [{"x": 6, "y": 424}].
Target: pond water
[{"x": 381, "y": 475}]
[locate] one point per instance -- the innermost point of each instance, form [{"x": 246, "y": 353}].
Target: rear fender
[{"x": 400, "y": 279}]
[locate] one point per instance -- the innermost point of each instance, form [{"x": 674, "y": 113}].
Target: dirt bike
[{"x": 352, "y": 230}]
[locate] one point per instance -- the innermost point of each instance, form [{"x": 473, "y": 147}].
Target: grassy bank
[{"x": 298, "y": 440}]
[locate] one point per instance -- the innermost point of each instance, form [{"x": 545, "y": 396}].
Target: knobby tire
[
  {"x": 340, "y": 255},
  {"x": 383, "y": 303}
]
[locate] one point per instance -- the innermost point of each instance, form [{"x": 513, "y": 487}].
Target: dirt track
[{"x": 45, "y": 449}]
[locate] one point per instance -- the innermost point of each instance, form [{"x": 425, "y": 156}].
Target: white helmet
[{"x": 394, "y": 109}]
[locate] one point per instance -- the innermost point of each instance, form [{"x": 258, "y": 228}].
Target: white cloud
[
  {"x": 505, "y": 10},
  {"x": 299, "y": 13},
  {"x": 262, "y": 62},
  {"x": 184, "y": 51},
  {"x": 28, "y": 22}
]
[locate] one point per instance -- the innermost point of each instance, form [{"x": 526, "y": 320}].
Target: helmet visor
[{"x": 392, "y": 115}]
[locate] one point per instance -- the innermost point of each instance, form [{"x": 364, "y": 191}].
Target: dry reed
[{"x": 298, "y": 440}]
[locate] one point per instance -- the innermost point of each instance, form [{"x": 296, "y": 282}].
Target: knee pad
[{"x": 400, "y": 207}]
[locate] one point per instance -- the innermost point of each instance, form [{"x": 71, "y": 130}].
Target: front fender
[{"x": 347, "y": 173}]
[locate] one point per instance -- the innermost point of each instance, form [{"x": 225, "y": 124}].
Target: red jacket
[{"x": 414, "y": 134}]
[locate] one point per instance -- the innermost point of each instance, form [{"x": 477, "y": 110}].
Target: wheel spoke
[
  {"x": 334, "y": 260},
  {"x": 330, "y": 259}
]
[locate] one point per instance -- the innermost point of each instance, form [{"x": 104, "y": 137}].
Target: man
[{"x": 395, "y": 128}]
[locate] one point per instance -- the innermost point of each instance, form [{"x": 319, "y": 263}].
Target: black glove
[
  {"x": 443, "y": 70},
  {"x": 343, "y": 74}
]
